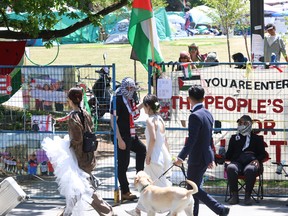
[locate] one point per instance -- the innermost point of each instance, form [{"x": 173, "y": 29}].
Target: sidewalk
[
  {"x": 266, "y": 207},
  {"x": 269, "y": 206}
]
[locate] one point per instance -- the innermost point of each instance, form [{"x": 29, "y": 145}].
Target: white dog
[{"x": 163, "y": 199}]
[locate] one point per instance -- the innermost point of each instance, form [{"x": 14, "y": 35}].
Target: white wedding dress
[
  {"x": 161, "y": 159},
  {"x": 72, "y": 181}
]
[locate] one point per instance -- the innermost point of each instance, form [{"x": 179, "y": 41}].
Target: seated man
[{"x": 246, "y": 150}]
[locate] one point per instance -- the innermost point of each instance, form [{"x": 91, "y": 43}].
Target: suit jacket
[
  {"x": 235, "y": 147},
  {"x": 199, "y": 143}
]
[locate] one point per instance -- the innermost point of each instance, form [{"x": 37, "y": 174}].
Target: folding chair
[{"x": 257, "y": 192}]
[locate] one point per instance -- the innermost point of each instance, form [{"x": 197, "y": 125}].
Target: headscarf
[{"x": 127, "y": 82}]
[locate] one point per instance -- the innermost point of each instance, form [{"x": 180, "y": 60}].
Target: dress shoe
[
  {"x": 133, "y": 212},
  {"x": 225, "y": 211},
  {"x": 247, "y": 199},
  {"x": 234, "y": 199},
  {"x": 128, "y": 196}
]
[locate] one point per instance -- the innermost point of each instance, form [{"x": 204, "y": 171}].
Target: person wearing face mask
[
  {"x": 245, "y": 151},
  {"x": 127, "y": 139}
]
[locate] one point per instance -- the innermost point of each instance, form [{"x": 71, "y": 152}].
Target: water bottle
[
  {"x": 280, "y": 168},
  {"x": 222, "y": 150},
  {"x": 273, "y": 57}
]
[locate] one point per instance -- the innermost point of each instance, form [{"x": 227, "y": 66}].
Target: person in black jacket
[{"x": 246, "y": 151}]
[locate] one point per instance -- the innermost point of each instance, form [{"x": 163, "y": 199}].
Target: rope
[{"x": 58, "y": 48}]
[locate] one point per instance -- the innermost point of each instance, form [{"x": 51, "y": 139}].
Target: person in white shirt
[{"x": 273, "y": 43}]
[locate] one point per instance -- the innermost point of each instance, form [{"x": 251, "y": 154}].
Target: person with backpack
[{"x": 72, "y": 165}]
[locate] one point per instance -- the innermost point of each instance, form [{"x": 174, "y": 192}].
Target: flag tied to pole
[{"x": 142, "y": 33}]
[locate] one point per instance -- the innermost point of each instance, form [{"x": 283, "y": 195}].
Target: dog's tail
[{"x": 194, "y": 187}]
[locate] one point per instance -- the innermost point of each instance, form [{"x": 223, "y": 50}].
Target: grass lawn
[{"x": 79, "y": 54}]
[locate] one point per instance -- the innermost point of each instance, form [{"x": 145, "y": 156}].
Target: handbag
[{"x": 90, "y": 142}]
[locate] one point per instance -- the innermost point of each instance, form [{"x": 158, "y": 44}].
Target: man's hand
[
  {"x": 255, "y": 163},
  {"x": 211, "y": 165},
  {"x": 178, "y": 162},
  {"x": 121, "y": 144}
]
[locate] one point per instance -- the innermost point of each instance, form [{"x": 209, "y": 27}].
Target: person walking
[
  {"x": 246, "y": 152},
  {"x": 72, "y": 166},
  {"x": 127, "y": 139},
  {"x": 188, "y": 21},
  {"x": 199, "y": 148},
  {"x": 158, "y": 158},
  {"x": 273, "y": 44}
]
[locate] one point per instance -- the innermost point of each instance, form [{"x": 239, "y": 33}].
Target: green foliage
[
  {"x": 194, "y": 3},
  {"x": 36, "y": 19},
  {"x": 230, "y": 12}
]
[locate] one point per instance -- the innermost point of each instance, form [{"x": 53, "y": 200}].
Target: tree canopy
[
  {"x": 36, "y": 19},
  {"x": 26, "y": 19},
  {"x": 230, "y": 13}
]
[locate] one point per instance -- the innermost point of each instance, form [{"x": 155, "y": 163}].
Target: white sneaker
[{"x": 133, "y": 212}]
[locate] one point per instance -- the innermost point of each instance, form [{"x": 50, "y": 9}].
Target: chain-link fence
[{"x": 31, "y": 96}]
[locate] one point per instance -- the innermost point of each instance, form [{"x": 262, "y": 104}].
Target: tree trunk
[
  {"x": 246, "y": 45},
  {"x": 228, "y": 44}
]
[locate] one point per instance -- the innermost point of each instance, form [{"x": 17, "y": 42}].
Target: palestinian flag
[{"x": 142, "y": 33}]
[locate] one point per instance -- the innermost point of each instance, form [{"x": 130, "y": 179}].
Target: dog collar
[{"x": 144, "y": 187}]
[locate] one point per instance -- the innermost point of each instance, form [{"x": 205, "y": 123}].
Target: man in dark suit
[
  {"x": 199, "y": 148},
  {"x": 246, "y": 151}
]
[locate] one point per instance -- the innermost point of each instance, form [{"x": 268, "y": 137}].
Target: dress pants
[
  {"x": 249, "y": 171},
  {"x": 195, "y": 173}
]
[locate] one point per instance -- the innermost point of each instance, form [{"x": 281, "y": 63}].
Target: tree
[
  {"x": 229, "y": 14},
  {"x": 36, "y": 19}
]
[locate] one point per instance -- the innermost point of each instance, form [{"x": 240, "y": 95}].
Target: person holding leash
[{"x": 199, "y": 148}]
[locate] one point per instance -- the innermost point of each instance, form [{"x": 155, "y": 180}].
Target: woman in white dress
[
  {"x": 158, "y": 158},
  {"x": 72, "y": 166}
]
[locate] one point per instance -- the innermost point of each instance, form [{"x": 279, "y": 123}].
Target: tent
[
  {"x": 200, "y": 14},
  {"x": 118, "y": 33}
]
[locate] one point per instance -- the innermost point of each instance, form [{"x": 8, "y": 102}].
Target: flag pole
[{"x": 152, "y": 53}]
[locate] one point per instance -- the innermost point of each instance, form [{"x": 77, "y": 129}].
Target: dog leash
[
  {"x": 166, "y": 171},
  {"x": 183, "y": 170}
]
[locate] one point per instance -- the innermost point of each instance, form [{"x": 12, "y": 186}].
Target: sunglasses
[{"x": 193, "y": 49}]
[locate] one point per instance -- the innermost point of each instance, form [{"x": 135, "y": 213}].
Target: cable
[{"x": 58, "y": 48}]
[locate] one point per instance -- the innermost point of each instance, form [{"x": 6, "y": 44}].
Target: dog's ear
[{"x": 136, "y": 180}]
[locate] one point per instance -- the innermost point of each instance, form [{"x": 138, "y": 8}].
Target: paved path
[{"x": 267, "y": 207}]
